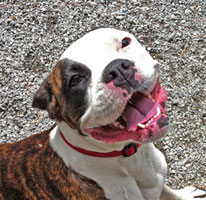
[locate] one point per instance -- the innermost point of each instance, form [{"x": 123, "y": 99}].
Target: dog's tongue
[{"x": 140, "y": 110}]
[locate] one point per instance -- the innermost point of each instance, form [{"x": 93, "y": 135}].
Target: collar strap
[{"x": 128, "y": 150}]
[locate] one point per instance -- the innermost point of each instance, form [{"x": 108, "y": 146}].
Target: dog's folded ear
[
  {"x": 43, "y": 96},
  {"x": 45, "y": 99}
]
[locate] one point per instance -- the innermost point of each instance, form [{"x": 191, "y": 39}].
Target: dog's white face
[{"x": 106, "y": 86}]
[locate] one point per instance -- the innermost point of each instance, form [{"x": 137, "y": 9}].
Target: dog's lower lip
[{"x": 137, "y": 128}]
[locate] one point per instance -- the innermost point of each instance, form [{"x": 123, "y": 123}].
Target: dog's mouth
[{"x": 143, "y": 119}]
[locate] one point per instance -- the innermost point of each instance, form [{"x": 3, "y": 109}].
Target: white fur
[
  {"x": 139, "y": 177},
  {"x": 96, "y": 50},
  {"x": 118, "y": 176}
]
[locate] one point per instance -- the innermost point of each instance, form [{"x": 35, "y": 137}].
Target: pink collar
[{"x": 128, "y": 150}]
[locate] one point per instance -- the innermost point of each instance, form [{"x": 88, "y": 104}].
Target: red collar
[{"x": 128, "y": 150}]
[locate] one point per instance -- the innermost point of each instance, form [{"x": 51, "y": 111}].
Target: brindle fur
[
  {"x": 54, "y": 95},
  {"x": 31, "y": 170}
]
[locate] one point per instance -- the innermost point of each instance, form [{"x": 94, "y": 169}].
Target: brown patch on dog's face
[{"x": 64, "y": 92}]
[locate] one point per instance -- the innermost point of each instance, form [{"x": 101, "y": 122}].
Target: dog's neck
[
  {"x": 102, "y": 170},
  {"x": 107, "y": 172},
  {"x": 78, "y": 161}
]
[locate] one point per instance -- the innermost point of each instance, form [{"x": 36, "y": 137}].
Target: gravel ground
[{"x": 33, "y": 35}]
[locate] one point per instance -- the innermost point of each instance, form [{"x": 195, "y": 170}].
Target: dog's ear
[
  {"x": 43, "y": 96},
  {"x": 44, "y": 99}
]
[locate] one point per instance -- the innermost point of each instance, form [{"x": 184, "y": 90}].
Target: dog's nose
[{"x": 120, "y": 71}]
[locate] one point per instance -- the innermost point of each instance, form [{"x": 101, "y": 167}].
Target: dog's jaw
[{"x": 110, "y": 128}]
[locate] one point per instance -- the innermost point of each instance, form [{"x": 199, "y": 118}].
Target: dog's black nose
[{"x": 121, "y": 72}]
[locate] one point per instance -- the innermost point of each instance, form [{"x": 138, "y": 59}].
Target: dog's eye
[
  {"x": 125, "y": 42},
  {"x": 75, "y": 80}
]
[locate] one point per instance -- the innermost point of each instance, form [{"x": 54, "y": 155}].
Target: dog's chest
[
  {"x": 31, "y": 170},
  {"x": 121, "y": 178}
]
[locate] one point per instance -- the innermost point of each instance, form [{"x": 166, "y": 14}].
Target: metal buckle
[{"x": 129, "y": 150}]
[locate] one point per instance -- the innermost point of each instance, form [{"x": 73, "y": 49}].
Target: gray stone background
[{"x": 33, "y": 35}]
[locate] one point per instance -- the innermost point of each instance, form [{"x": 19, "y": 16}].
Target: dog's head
[{"x": 106, "y": 86}]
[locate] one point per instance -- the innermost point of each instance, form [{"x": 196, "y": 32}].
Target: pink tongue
[{"x": 140, "y": 110}]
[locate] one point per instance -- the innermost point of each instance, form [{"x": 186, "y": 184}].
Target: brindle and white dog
[{"x": 105, "y": 96}]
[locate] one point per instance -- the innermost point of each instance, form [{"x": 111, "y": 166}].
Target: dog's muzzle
[{"x": 129, "y": 108}]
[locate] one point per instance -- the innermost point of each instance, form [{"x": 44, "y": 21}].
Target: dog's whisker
[{"x": 80, "y": 108}]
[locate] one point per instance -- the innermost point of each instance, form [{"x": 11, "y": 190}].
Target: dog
[{"x": 105, "y": 96}]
